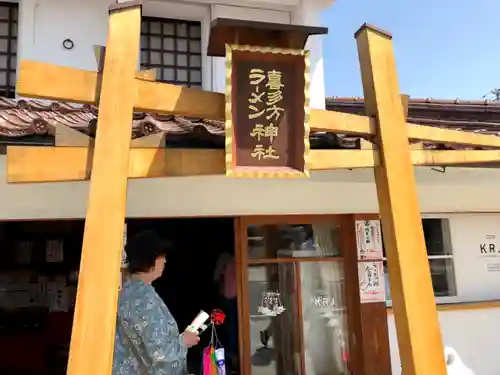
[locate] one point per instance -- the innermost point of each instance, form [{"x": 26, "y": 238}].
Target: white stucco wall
[
  {"x": 44, "y": 24},
  {"x": 325, "y": 193},
  {"x": 472, "y": 332}
]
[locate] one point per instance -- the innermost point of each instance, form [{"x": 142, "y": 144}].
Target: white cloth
[{"x": 454, "y": 364}]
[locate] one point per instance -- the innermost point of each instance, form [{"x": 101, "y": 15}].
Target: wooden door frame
[{"x": 242, "y": 264}]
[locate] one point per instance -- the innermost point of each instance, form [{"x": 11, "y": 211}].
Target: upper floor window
[
  {"x": 173, "y": 48},
  {"x": 8, "y": 48},
  {"x": 440, "y": 255}
]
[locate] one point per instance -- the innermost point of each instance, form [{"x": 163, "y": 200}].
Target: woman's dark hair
[{"x": 143, "y": 250}]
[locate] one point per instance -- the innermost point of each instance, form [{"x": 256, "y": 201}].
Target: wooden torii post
[{"x": 119, "y": 89}]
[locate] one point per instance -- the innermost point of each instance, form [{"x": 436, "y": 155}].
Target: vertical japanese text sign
[{"x": 267, "y": 112}]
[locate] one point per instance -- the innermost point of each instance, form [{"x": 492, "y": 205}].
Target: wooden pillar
[
  {"x": 369, "y": 352},
  {"x": 92, "y": 340},
  {"x": 418, "y": 331}
]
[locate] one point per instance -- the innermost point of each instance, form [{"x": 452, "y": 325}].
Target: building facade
[{"x": 460, "y": 206}]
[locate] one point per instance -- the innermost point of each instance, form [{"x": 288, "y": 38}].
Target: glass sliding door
[{"x": 293, "y": 304}]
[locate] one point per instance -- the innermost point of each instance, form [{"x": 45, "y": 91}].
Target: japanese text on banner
[
  {"x": 265, "y": 111},
  {"x": 369, "y": 239}
]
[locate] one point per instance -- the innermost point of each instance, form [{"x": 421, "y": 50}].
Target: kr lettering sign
[{"x": 489, "y": 248}]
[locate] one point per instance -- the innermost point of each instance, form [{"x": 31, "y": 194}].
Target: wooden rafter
[
  {"x": 49, "y": 81},
  {"x": 146, "y": 161}
]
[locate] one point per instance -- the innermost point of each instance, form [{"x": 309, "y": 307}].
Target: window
[
  {"x": 173, "y": 48},
  {"x": 440, "y": 255},
  {"x": 8, "y": 49}
]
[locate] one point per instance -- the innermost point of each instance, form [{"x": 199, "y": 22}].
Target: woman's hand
[{"x": 190, "y": 338}]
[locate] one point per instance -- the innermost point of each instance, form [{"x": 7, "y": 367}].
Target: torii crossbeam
[{"x": 119, "y": 89}]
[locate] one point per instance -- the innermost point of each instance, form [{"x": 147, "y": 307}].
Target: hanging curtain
[{"x": 325, "y": 327}]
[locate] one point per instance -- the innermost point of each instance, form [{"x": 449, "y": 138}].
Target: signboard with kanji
[
  {"x": 267, "y": 110},
  {"x": 369, "y": 239},
  {"x": 371, "y": 282}
]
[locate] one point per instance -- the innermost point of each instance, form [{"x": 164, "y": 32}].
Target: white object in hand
[
  {"x": 198, "y": 322},
  {"x": 454, "y": 364}
]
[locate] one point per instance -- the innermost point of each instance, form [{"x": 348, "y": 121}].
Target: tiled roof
[
  {"x": 20, "y": 118},
  {"x": 428, "y": 103},
  {"x": 23, "y": 118}
]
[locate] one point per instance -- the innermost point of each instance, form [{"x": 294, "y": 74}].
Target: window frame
[
  {"x": 12, "y": 38},
  {"x": 175, "y": 66},
  {"x": 440, "y": 300}
]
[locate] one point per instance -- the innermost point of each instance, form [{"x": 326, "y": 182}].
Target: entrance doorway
[
  {"x": 188, "y": 283},
  {"x": 39, "y": 263}
]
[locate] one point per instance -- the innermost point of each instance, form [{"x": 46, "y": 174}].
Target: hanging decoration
[
  {"x": 271, "y": 304},
  {"x": 217, "y": 317},
  {"x": 214, "y": 362}
]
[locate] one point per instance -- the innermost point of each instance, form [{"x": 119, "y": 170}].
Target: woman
[{"x": 147, "y": 337}]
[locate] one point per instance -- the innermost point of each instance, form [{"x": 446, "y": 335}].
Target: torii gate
[{"x": 118, "y": 89}]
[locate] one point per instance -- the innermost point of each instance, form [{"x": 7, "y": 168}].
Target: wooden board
[
  {"x": 417, "y": 325},
  {"x": 49, "y": 81},
  {"x": 71, "y": 163},
  {"x": 92, "y": 339}
]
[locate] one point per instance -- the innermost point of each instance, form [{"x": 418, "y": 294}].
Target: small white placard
[
  {"x": 371, "y": 282},
  {"x": 369, "y": 239}
]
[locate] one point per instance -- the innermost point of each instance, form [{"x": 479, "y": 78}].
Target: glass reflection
[
  {"x": 274, "y": 333},
  {"x": 324, "y": 318},
  {"x": 293, "y": 241}
]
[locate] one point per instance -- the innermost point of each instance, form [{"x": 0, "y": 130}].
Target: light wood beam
[
  {"x": 156, "y": 140},
  {"x": 342, "y": 159},
  {"x": 180, "y": 101},
  {"x": 146, "y": 75},
  {"x": 93, "y": 334},
  {"x": 70, "y": 163},
  {"x": 52, "y": 82},
  {"x": 339, "y": 122},
  {"x": 417, "y": 325},
  {"x": 66, "y": 136},
  {"x": 440, "y": 135}
]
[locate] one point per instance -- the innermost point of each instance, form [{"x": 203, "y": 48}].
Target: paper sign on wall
[
  {"x": 371, "y": 282},
  {"x": 369, "y": 239}
]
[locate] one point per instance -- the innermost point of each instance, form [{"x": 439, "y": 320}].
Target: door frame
[{"x": 242, "y": 264}]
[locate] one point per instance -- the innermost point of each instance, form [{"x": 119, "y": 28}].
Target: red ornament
[{"x": 217, "y": 317}]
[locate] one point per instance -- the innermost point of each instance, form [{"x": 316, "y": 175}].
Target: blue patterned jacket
[{"x": 147, "y": 337}]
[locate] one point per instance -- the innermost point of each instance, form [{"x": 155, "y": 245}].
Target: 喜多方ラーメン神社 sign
[{"x": 267, "y": 105}]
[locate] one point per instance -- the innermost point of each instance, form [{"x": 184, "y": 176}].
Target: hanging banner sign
[
  {"x": 369, "y": 239},
  {"x": 371, "y": 282},
  {"x": 267, "y": 112}
]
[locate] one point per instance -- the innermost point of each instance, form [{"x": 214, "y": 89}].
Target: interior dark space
[{"x": 39, "y": 261}]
